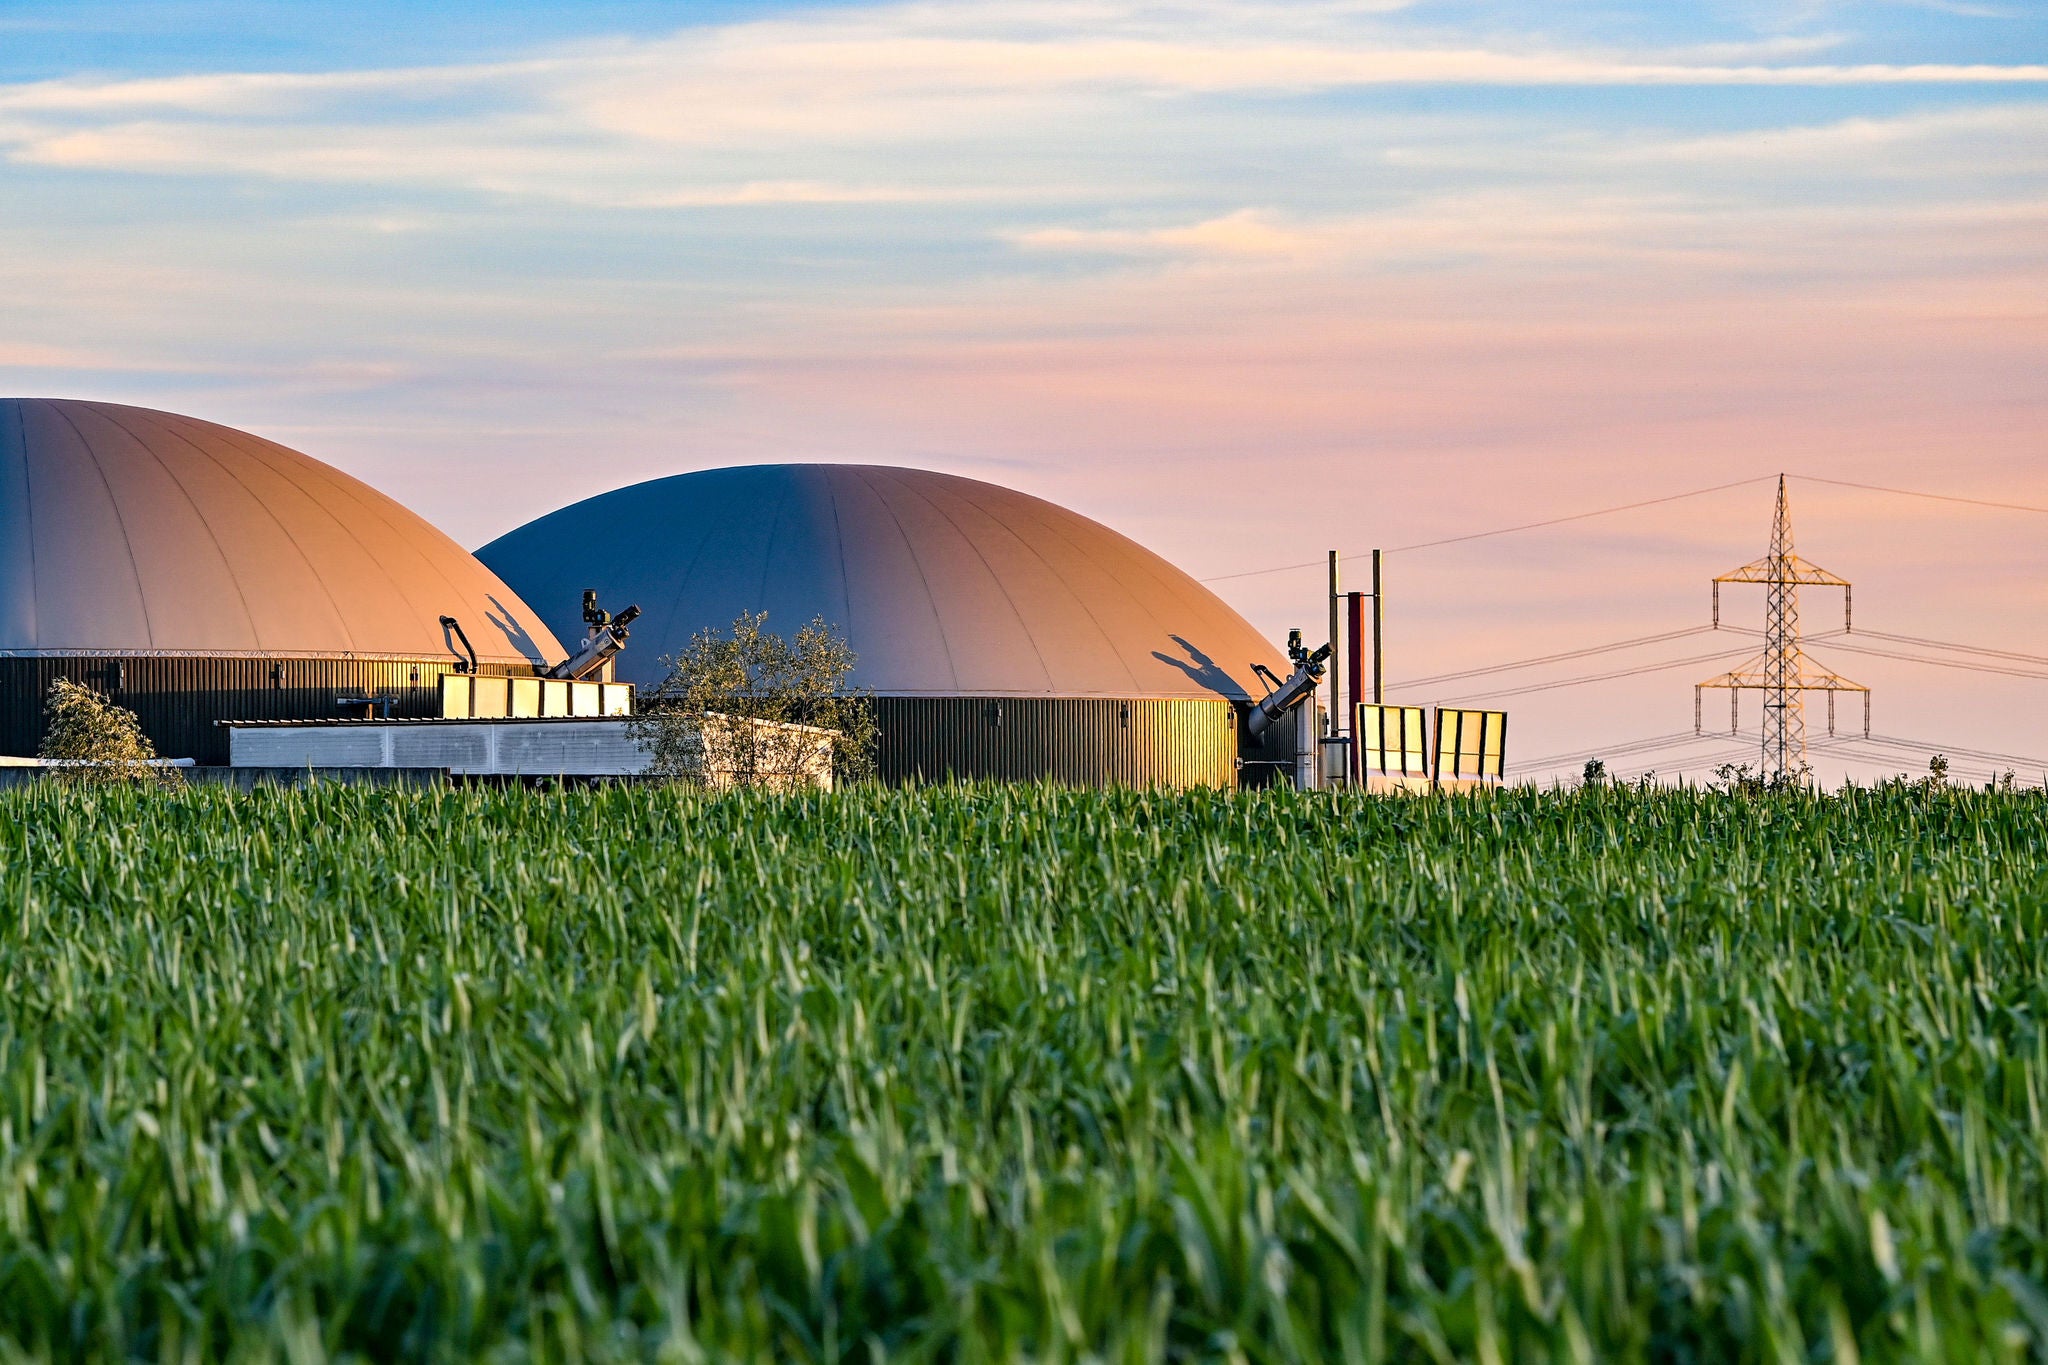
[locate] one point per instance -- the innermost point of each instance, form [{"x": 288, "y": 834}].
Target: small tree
[
  {"x": 748, "y": 707},
  {"x": 95, "y": 739},
  {"x": 1741, "y": 779},
  {"x": 1596, "y": 772}
]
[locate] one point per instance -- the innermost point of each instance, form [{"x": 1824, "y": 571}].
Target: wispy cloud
[
  {"x": 1963, "y": 9},
  {"x": 642, "y": 122},
  {"x": 2016, "y": 134},
  {"x": 1247, "y": 232},
  {"x": 1945, "y": 144},
  {"x": 271, "y": 94}
]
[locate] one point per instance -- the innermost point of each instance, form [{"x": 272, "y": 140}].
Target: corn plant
[{"x": 1000, "y": 1073}]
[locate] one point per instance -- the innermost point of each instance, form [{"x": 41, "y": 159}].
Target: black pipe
[{"x": 449, "y": 623}]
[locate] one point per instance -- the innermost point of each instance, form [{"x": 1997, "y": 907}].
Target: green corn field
[{"x": 980, "y": 1074}]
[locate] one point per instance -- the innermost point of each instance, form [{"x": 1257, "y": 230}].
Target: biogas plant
[{"x": 256, "y": 608}]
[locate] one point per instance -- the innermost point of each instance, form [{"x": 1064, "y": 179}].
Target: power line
[
  {"x": 1604, "y": 751},
  {"x": 1254, "y": 573},
  {"x": 1967, "y": 762},
  {"x": 1506, "y": 530},
  {"x": 1845, "y": 641},
  {"x": 1870, "y": 749},
  {"x": 1949, "y": 644},
  {"x": 1721, "y": 657},
  {"x": 1837, "y": 636},
  {"x": 1625, "y": 750},
  {"x": 1633, "y": 506},
  {"x": 1911, "y": 493},
  {"x": 1704, "y": 763},
  {"x": 1844, "y": 647},
  {"x": 1986, "y": 755},
  {"x": 1577, "y": 516},
  {"x": 1921, "y": 748},
  {"x": 1550, "y": 658},
  {"x": 1891, "y": 751}
]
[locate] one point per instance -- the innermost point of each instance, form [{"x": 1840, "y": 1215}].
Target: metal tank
[
  {"x": 196, "y": 573},
  {"x": 1003, "y": 636}
]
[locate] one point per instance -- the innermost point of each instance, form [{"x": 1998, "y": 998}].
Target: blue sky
[
  {"x": 1240, "y": 278},
  {"x": 167, "y": 36}
]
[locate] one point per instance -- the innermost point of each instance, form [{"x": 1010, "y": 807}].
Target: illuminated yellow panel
[
  {"x": 491, "y": 697},
  {"x": 1471, "y": 743},
  {"x": 1392, "y": 740},
  {"x": 455, "y": 695}
]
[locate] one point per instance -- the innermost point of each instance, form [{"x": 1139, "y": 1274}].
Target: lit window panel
[
  {"x": 1470, "y": 744},
  {"x": 1392, "y": 740}
]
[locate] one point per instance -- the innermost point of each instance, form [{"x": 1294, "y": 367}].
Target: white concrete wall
[
  {"x": 470, "y": 748},
  {"x": 584, "y": 747}
]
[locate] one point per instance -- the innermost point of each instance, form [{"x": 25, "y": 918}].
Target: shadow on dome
[
  {"x": 515, "y": 634},
  {"x": 1202, "y": 670}
]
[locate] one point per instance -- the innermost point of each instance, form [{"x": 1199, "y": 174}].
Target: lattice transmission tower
[{"x": 1782, "y": 672}]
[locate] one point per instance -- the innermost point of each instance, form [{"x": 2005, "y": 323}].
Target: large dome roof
[
  {"x": 124, "y": 530},
  {"x": 944, "y": 586}
]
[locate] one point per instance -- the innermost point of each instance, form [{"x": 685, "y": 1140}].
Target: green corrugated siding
[
  {"x": 1091, "y": 742},
  {"x": 179, "y": 699}
]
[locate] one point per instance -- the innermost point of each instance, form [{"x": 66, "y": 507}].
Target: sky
[{"x": 1248, "y": 281}]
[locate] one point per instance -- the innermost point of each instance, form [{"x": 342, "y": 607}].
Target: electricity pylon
[{"x": 1782, "y": 672}]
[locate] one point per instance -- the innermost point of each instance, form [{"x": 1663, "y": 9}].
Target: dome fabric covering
[
  {"x": 127, "y": 530},
  {"x": 944, "y": 586}
]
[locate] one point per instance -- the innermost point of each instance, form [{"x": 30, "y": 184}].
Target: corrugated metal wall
[
  {"x": 179, "y": 699},
  {"x": 1269, "y": 758},
  {"x": 1084, "y": 741}
]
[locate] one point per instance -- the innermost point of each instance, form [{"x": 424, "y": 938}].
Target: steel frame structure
[{"x": 1782, "y": 672}]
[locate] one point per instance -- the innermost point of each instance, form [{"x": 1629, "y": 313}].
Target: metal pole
[
  {"x": 1378, "y": 617},
  {"x": 1354, "y": 658},
  {"x": 1334, "y": 711}
]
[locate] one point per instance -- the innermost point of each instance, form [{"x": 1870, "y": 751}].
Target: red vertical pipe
[{"x": 1354, "y": 633}]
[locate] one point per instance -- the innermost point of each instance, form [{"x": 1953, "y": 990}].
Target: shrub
[
  {"x": 97, "y": 740},
  {"x": 703, "y": 722}
]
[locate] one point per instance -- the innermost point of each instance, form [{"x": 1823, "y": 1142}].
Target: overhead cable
[
  {"x": 1720, "y": 657},
  {"x": 1507, "y": 530},
  {"x": 1964, "y": 765},
  {"x": 1632, "y": 506},
  {"x": 1843, "y": 646},
  {"x": 1608, "y": 751},
  {"x": 1987, "y": 755},
  {"x": 1707, "y": 763},
  {"x": 1549, "y": 658},
  {"x": 1925, "y": 643},
  {"x": 1913, "y": 493},
  {"x": 1928, "y": 748},
  {"x": 1577, "y": 516}
]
